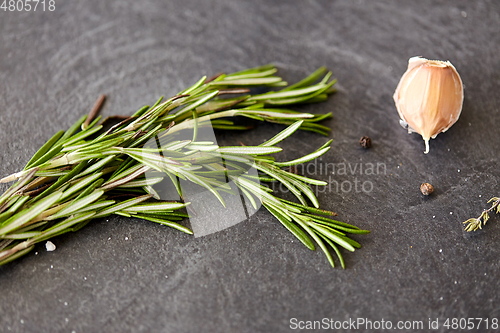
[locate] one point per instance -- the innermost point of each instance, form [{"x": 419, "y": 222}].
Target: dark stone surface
[{"x": 416, "y": 264}]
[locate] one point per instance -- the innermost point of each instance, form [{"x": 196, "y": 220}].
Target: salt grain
[{"x": 50, "y": 246}]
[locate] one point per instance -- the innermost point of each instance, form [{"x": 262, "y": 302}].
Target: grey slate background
[{"x": 254, "y": 276}]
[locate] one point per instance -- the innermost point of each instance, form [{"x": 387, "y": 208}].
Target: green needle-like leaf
[
  {"x": 82, "y": 135},
  {"x": 245, "y": 150},
  {"x": 44, "y": 149},
  {"x": 78, "y": 205},
  {"x": 122, "y": 205},
  {"x": 317, "y": 239},
  {"x": 283, "y": 134},
  {"x": 156, "y": 207},
  {"x": 304, "y": 159},
  {"x": 167, "y": 223},
  {"x": 335, "y": 248},
  {"x": 23, "y": 217},
  {"x": 80, "y": 185},
  {"x": 296, "y": 231},
  {"x": 334, "y": 237},
  {"x": 249, "y": 82}
]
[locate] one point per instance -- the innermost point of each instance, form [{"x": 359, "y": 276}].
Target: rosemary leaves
[{"x": 88, "y": 172}]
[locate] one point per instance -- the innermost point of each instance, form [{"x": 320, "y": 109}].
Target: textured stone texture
[{"x": 255, "y": 276}]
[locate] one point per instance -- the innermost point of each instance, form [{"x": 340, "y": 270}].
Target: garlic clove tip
[{"x": 426, "y": 146}]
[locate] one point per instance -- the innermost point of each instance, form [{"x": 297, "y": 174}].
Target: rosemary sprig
[
  {"x": 79, "y": 176},
  {"x": 476, "y": 223}
]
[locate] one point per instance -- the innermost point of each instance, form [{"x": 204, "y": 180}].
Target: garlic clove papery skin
[{"x": 429, "y": 97}]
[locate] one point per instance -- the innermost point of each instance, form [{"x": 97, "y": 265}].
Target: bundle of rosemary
[{"x": 90, "y": 172}]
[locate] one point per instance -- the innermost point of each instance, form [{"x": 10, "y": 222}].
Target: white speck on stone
[
  {"x": 166, "y": 276},
  {"x": 480, "y": 195},
  {"x": 440, "y": 250},
  {"x": 434, "y": 217},
  {"x": 66, "y": 319},
  {"x": 455, "y": 282},
  {"x": 51, "y": 266},
  {"x": 484, "y": 273},
  {"x": 109, "y": 238},
  {"x": 65, "y": 303},
  {"x": 50, "y": 246},
  {"x": 441, "y": 298},
  {"x": 448, "y": 149},
  {"x": 458, "y": 170},
  {"x": 22, "y": 321},
  {"x": 126, "y": 238},
  {"x": 464, "y": 14},
  {"x": 85, "y": 278},
  {"x": 36, "y": 253},
  {"x": 451, "y": 213}
]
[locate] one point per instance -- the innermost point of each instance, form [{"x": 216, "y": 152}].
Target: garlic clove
[{"x": 429, "y": 97}]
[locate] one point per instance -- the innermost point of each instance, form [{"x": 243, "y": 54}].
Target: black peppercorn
[
  {"x": 365, "y": 142},
  {"x": 426, "y": 189}
]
